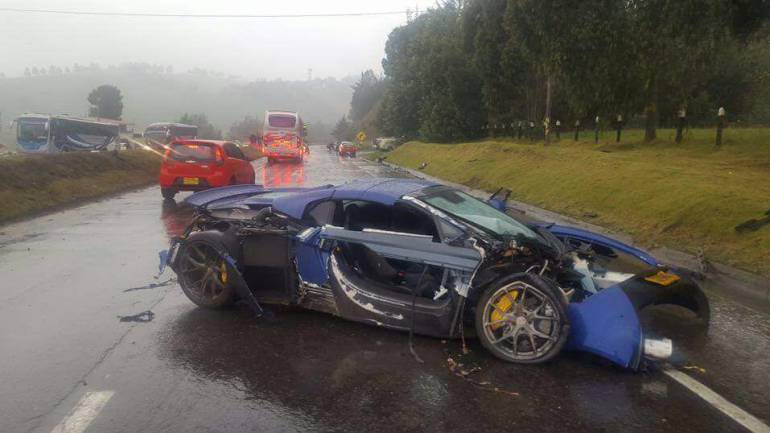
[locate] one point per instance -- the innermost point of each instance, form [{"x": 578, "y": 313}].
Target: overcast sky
[{"x": 252, "y": 48}]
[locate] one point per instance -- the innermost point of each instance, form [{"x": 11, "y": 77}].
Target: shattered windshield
[{"x": 474, "y": 211}]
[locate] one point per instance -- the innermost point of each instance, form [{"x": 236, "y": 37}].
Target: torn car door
[{"x": 363, "y": 299}]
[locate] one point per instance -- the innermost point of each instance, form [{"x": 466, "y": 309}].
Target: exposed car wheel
[
  {"x": 204, "y": 275},
  {"x": 523, "y": 319},
  {"x": 168, "y": 193}
]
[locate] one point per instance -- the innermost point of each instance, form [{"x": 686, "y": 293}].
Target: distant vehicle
[
  {"x": 40, "y": 133},
  {"x": 167, "y": 132},
  {"x": 195, "y": 165},
  {"x": 283, "y": 136},
  {"x": 386, "y": 143},
  {"x": 347, "y": 148}
]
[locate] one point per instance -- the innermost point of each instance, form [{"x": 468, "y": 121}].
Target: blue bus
[{"x": 41, "y": 133}]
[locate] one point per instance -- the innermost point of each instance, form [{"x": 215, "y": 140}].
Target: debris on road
[
  {"x": 144, "y": 316},
  {"x": 459, "y": 370},
  {"x": 700, "y": 370},
  {"x": 168, "y": 282}
]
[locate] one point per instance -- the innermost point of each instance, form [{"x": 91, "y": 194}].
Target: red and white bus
[{"x": 283, "y": 136}]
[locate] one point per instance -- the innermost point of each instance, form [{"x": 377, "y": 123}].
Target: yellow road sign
[{"x": 360, "y": 137}]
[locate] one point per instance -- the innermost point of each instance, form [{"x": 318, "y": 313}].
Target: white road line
[
  {"x": 86, "y": 410},
  {"x": 734, "y": 412}
]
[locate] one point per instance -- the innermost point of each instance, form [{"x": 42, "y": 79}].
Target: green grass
[
  {"x": 31, "y": 184},
  {"x": 687, "y": 196}
]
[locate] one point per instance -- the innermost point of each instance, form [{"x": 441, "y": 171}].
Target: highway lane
[{"x": 69, "y": 362}]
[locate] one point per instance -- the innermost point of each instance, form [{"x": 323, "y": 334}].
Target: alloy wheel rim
[
  {"x": 521, "y": 322},
  {"x": 203, "y": 271}
]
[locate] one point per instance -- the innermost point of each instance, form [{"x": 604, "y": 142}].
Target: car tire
[
  {"x": 506, "y": 326},
  {"x": 168, "y": 193},
  {"x": 219, "y": 291},
  {"x": 353, "y": 155}
]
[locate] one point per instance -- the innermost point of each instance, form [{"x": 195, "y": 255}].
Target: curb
[{"x": 725, "y": 280}]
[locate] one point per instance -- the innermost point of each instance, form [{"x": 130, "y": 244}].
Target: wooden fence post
[
  {"x": 577, "y": 130},
  {"x": 596, "y": 130},
  {"x": 531, "y": 130},
  {"x": 619, "y": 126},
  {"x": 681, "y": 116},
  {"x": 720, "y": 124}
]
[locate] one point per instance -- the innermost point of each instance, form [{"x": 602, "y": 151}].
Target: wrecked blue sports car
[{"x": 418, "y": 256}]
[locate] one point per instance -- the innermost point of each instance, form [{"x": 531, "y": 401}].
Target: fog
[{"x": 251, "y": 48}]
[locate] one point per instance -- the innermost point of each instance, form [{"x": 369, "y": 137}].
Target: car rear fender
[
  {"x": 204, "y": 198},
  {"x": 227, "y": 245}
]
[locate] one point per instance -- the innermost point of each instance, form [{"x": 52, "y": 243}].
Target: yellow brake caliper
[
  {"x": 223, "y": 272},
  {"x": 503, "y": 304}
]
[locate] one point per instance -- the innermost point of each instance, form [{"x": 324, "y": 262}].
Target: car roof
[
  {"x": 381, "y": 190},
  {"x": 196, "y": 141},
  {"x": 181, "y": 125},
  {"x": 294, "y": 201}
]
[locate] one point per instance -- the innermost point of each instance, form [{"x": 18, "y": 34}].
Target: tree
[
  {"x": 432, "y": 92},
  {"x": 106, "y": 101},
  {"x": 244, "y": 128},
  {"x": 206, "y": 130},
  {"x": 366, "y": 92},
  {"x": 343, "y": 130}
]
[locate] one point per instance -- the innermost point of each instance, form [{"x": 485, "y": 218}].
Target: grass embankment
[
  {"x": 30, "y": 184},
  {"x": 687, "y": 196}
]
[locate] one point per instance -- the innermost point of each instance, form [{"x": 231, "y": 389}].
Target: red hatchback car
[
  {"x": 195, "y": 165},
  {"x": 347, "y": 149}
]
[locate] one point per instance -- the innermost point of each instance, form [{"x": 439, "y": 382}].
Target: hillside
[{"x": 153, "y": 94}]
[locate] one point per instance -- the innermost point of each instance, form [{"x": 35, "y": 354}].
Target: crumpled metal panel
[{"x": 606, "y": 324}]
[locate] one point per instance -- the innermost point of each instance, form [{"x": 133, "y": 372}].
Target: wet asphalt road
[{"x": 67, "y": 277}]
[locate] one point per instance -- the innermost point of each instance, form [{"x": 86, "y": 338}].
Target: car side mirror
[{"x": 497, "y": 204}]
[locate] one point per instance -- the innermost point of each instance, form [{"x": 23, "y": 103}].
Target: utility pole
[{"x": 310, "y": 74}]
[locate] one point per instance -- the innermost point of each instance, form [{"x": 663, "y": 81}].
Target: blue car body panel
[
  {"x": 311, "y": 260},
  {"x": 585, "y": 235},
  {"x": 607, "y": 324},
  {"x": 203, "y": 198},
  {"x": 294, "y": 205},
  {"x": 294, "y": 201}
]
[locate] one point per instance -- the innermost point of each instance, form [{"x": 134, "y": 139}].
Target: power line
[{"x": 160, "y": 15}]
